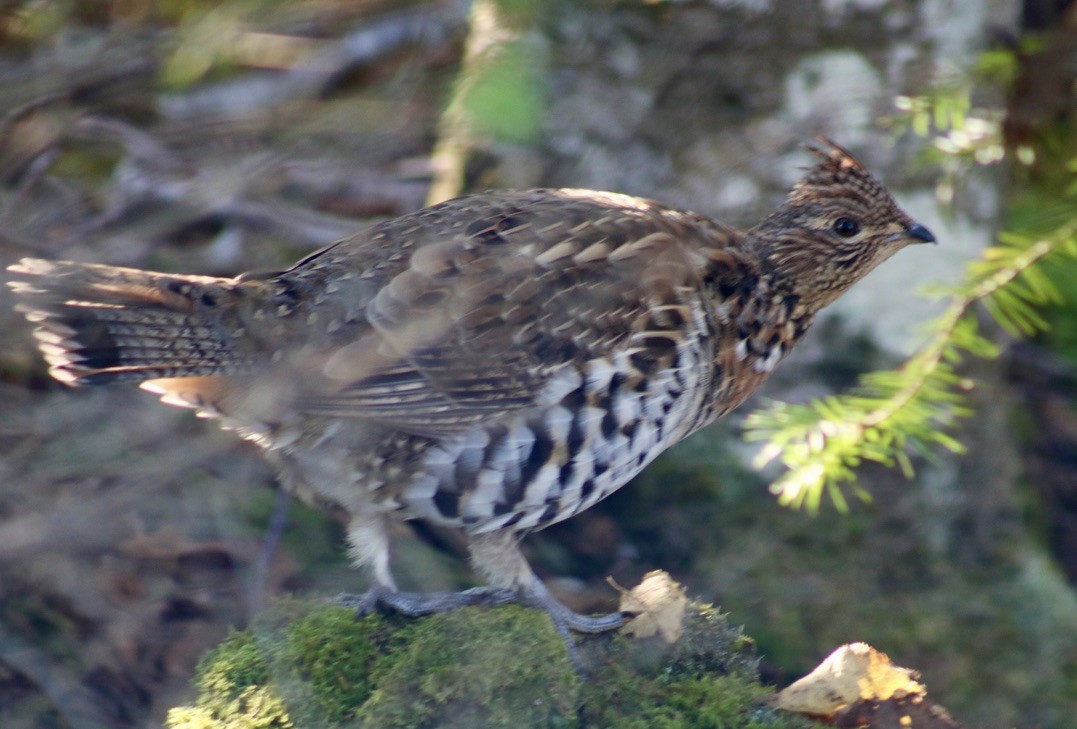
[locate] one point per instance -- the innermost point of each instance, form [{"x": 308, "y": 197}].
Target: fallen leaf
[
  {"x": 854, "y": 672},
  {"x": 658, "y": 604}
]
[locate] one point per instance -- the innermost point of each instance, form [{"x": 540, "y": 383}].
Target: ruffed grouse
[{"x": 497, "y": 363}]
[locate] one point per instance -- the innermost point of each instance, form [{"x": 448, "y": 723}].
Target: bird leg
[
  {"x": 496, "y": 556},
  {"x": 369, "y": 539},
  {"x": 535, "y": 595},
  {"x": 538, "y": 596}
]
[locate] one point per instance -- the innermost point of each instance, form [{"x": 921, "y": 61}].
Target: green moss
[
  {"x": 709, "y": 702},
  {"x": 476, "y": 668},
  {"x": 706, "y": 680},
  {"x": 233, "y": 666},
  {"x": 310, "y": 668},
  {"x": 627, "y": 700},
  {"x": 711, "y": 644},
  {"x": 503, "y": 667},
  {"x": 321, "y": 663},
  {"x": 233, "y": 691},
  {"x": 255, "y": 708}
]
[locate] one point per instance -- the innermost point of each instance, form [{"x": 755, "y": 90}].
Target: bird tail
[{"x": 102, "y": 324}]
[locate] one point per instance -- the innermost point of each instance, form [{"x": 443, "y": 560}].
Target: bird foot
[
  {"x": 380, "y": 598},
  {"x": 563, "y": 618},
  {"x": 415, "y": 604}
]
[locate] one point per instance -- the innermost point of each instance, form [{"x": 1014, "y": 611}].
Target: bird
[{"x": 496, "y": 363}]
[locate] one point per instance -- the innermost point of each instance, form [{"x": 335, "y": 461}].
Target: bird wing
[{"x": 502, "y": 293}]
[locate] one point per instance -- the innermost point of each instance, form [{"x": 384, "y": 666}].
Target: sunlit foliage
[{"x": 912, "y": 409}]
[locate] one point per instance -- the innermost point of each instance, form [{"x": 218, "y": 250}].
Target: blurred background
[{"x": 219, "y": 137}]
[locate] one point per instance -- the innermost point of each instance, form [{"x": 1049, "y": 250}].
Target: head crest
[
  {"x": 836, "y": 165},
  {"x": 833, "y": 154}
]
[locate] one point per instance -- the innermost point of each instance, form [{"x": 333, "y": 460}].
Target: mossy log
[{"x": 318, "y": 666}]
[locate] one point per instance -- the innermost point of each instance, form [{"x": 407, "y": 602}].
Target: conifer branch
[{"x": 892, "y": 412}]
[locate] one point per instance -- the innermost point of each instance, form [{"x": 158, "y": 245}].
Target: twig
[
  {"x": 309, "y": 78},
  {"x": 137, "y": 143},
  {"x": 312, "y": 227}
]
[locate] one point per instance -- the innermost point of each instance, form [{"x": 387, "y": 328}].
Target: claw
[
  {"x": 563, "y": 618},
  {"x": 366, "y": 603},
  {"x": 415, "y": 604},
  {"x": 532, "y": 593}
]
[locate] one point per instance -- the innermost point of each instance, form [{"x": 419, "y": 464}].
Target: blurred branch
[
  {"x": 220, "y": 192},
  {"x": 310, "y": 77},
  {"x": 313, "y": 227},
  {"x": 499, "y": 92},
  {"x": 100, "y": 67},
  {"x": 33, "y": 174},
  {"x": 135, "y": 142}
]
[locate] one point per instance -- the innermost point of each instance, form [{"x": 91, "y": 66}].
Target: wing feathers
[{"x": 479, "y": 322}]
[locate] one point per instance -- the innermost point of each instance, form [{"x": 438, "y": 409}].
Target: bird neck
[
  {"x": 791, "y": 267},
  {"x": 760, "y": 314},
  {"x": 774, "y": 316}
]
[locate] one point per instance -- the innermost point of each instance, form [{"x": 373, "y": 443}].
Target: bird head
[{"x": 837, "y": 224}]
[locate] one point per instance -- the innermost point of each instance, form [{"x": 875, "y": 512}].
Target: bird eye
[{"x": 846, "y": 227}]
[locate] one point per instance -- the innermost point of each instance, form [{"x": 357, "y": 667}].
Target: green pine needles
[{"x": 895, "y": 413}]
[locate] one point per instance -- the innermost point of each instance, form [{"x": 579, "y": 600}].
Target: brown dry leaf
[
  {"x": 854, "y": 672},
  {"x": 658, "y": 603}
]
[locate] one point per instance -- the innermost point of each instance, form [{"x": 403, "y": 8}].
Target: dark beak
[{"x": 920, "y": 233}]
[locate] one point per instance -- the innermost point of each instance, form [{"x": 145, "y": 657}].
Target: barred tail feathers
[{"x": 102, "y": 324}]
